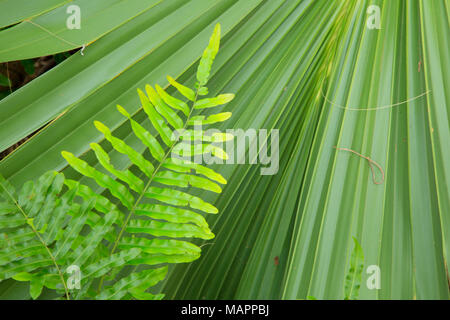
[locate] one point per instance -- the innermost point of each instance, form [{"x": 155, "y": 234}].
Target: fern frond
[
  {"x": 135, "y": 282},
  {"x": 49, "y": 228},
  {"x": 159, "y": 217},
  {"x": 41, "y": 232},
  {"x": 354, "y": 274}
]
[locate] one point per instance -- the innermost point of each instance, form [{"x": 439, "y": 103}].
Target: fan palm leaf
[{"x": 309, "y": 69}]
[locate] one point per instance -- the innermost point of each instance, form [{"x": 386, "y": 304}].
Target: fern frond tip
[
  {"x": 123, "y": 111},
  {"x": 66, "y": 154},
  {"x": 101, "y": 127}
]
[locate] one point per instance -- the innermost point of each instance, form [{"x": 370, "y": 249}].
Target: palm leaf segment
[{"x": 153, "y": 215}]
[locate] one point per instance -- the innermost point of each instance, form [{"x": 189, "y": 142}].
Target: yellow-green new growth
[{"x": 208, "y": 57}]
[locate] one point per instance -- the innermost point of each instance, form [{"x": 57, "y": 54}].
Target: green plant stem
[{"x": 133, "y": 209}]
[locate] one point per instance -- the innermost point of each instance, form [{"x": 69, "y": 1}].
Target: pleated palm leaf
[{"x": 330, "y": 84}]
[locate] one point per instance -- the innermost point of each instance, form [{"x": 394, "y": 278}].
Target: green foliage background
[{"x": 280, "y": 58}]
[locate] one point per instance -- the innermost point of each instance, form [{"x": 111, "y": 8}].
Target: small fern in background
[
  {"x": 353, "y": 277},
  {"x": 51, "y": 226}
]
